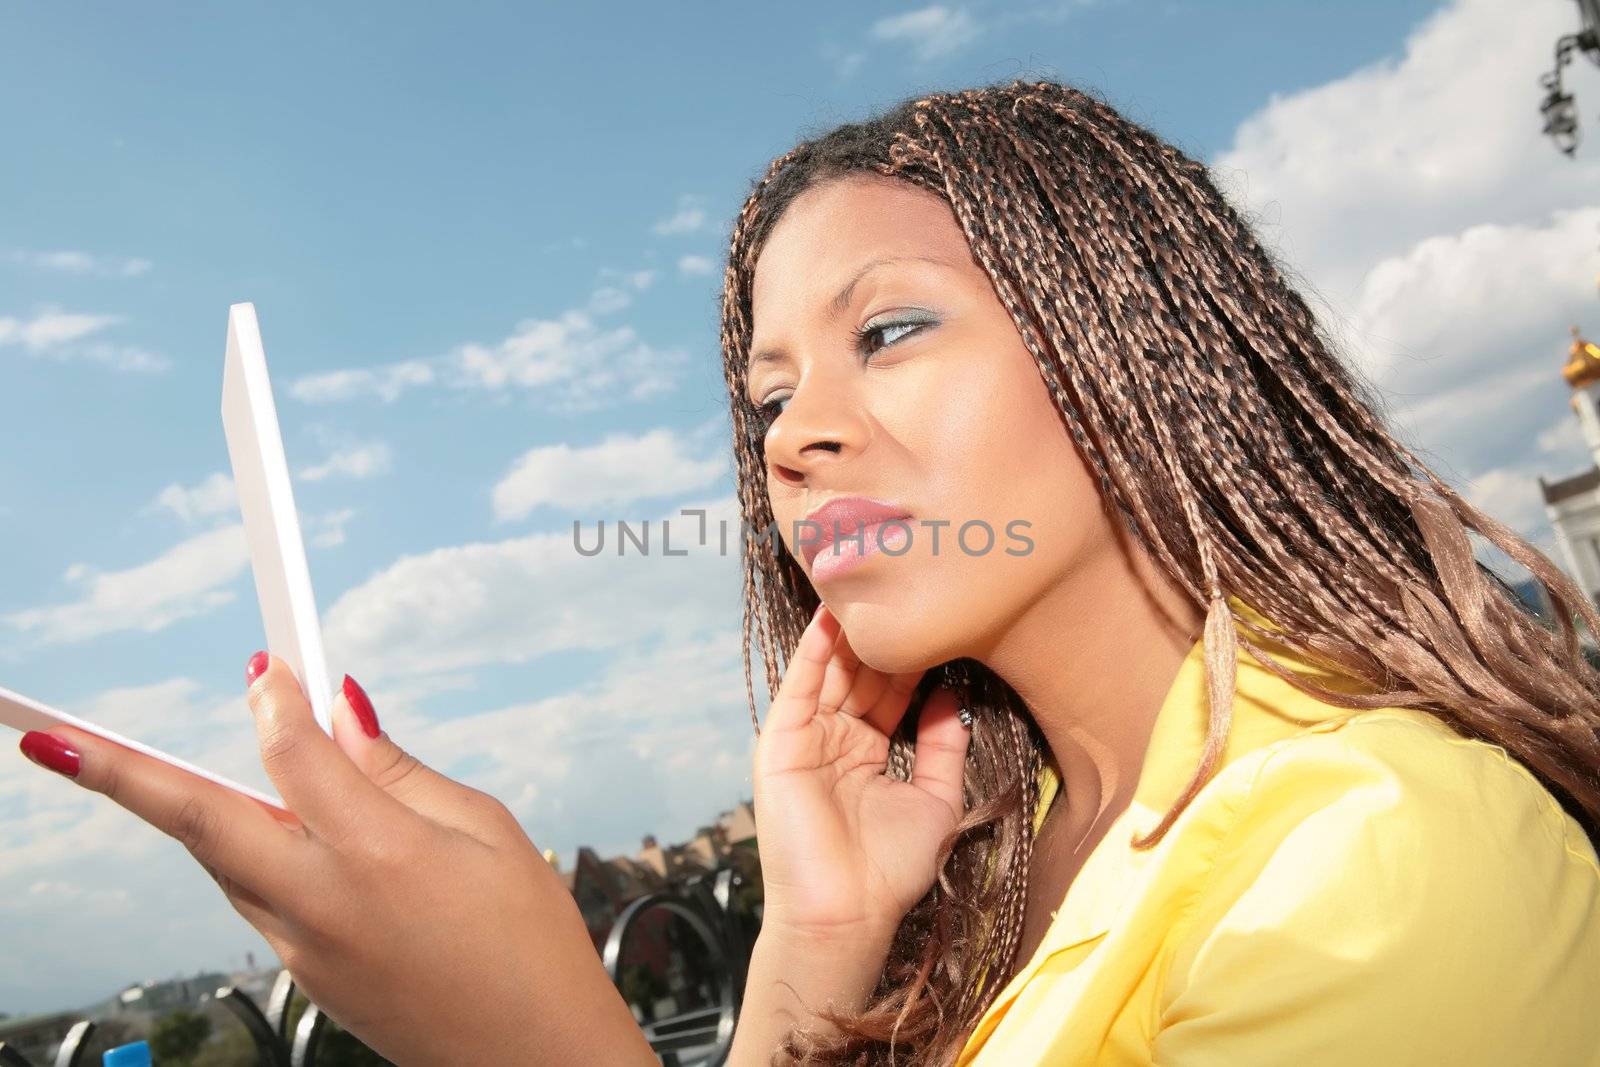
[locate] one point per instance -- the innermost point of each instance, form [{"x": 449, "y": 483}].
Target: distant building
[
  {"x": 154, "y": 997},
  {"x": 1573, "y": 504},
  {"x": 603, "y": 887}
]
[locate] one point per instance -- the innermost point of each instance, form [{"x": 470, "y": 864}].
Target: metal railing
[
  {"x": 698, "y": 1036},
  {"x": 706, "y": 906}
]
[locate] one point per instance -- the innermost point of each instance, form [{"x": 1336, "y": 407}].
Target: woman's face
[{"x": 938, "y": 411}]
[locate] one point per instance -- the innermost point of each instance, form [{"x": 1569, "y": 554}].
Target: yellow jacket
[{"x": 1372, "y": 890}]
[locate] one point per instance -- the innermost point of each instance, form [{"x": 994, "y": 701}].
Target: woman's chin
[{"x": 894, "y": 640}]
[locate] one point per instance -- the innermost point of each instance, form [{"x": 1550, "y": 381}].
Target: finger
[
  {"x": 865, "y": 685},
  {"x": 796, "y": 701},
  {"x": 387, "y": 765},
  {"x": 890, "y": 708},
  {"x": 839, "y": 679},
  {"x": 939, "y": 762},
  {"x": 316, "y": 779},
  {"x": 225, "y": 831},
  {"x": 867, "y": 691}
]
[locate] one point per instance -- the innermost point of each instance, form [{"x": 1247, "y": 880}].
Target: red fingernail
[
  {"x": 48, "y": 750},
  {"x": 256, "y": 667},
  {"x": 361, "y": 705}
]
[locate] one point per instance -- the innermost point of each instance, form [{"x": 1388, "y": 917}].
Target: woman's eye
[
  {"x": 886, "y": 333},
  {"x": 767, "y": 413}
]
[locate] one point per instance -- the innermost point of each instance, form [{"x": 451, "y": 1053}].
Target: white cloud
[
  {"x": 70, "y": 262},
  {"x": 1052, "y": 11},
  {"x": 1510, "y": 494},
  {"x": 1446, "y": 137},
  {"x": 658, "y": 742},
  {"x": 188, "y": 579},
  {"x": 1465, "y": 333},
  {"x": 213, "y": 496},
  {"x": 1479, "y": 422},
  {"x": 159, "y": 712},
  {"x": 81, "y": 896},
  {"x": 386, "y": 383},
  {"x": 931, "y": 32},
  {"x": 575, "y": 361},
  {"x": 636, "y": 279},
  {"x": 572, "y": 362},
  {"x": 1563, "y": 438},
  {"x": 939, "y": 30},
  {"x": 327, "y": 530},
  {"x": 512, "y": 601},
  {"x": 1466, "y": 302},
  {"x": 52, "y": 328},
  {"x": 694, "y": 265},
  {"x": 619, "y": 470},
  {"x": 54, "y": 334},
  {"x": 844, "y": 61},
  {"x": 607, "y": 299},
  {"x": 690, "y": 217},
  {"x": 357, "y": 462},
  {"x": 124, "y": 358}
]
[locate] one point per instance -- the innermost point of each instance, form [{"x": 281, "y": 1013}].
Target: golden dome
[{"x": 1583, "y": 362}]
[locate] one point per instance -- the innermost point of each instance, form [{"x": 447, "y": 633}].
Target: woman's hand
[
  {"x": 845, "y": 849},
  {"x": 410, "y": 908}
]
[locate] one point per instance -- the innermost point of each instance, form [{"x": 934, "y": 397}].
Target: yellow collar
[{"x": 1266, "y": 708}]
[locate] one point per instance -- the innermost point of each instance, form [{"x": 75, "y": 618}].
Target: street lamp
[{"x": 1559, "y": 109}]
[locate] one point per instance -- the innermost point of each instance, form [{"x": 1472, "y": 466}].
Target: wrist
[
  {"x": 842, "y": 941},
  {"x": 795, "y": 926},
  {"x": 838, "y": 966},
  {"x": 796, "y": 973}
]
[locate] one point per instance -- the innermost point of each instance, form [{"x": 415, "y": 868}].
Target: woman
[{"x": 1037, "y": 806}]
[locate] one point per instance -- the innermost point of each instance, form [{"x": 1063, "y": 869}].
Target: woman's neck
[{"x": 1093, "y": 659}]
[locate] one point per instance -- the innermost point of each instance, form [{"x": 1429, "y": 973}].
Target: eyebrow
[{"x": 841, "y": 300}]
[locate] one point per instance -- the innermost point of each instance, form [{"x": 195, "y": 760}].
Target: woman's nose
[{"x": 822, "y": 424}]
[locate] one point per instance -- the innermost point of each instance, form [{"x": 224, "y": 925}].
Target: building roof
[
  {"x": 629, "y": 878},
  {"x": 1567, "y": 488}
]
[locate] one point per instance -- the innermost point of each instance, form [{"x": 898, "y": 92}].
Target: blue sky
[{"x": 485, "y": 248}]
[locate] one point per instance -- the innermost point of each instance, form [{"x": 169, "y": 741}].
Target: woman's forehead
[{"x": 831, "y": 231}]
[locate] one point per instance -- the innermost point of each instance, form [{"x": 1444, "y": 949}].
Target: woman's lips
[
  {"x": 851, "y": 551},
  {"x": 843, "y": 532}
]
